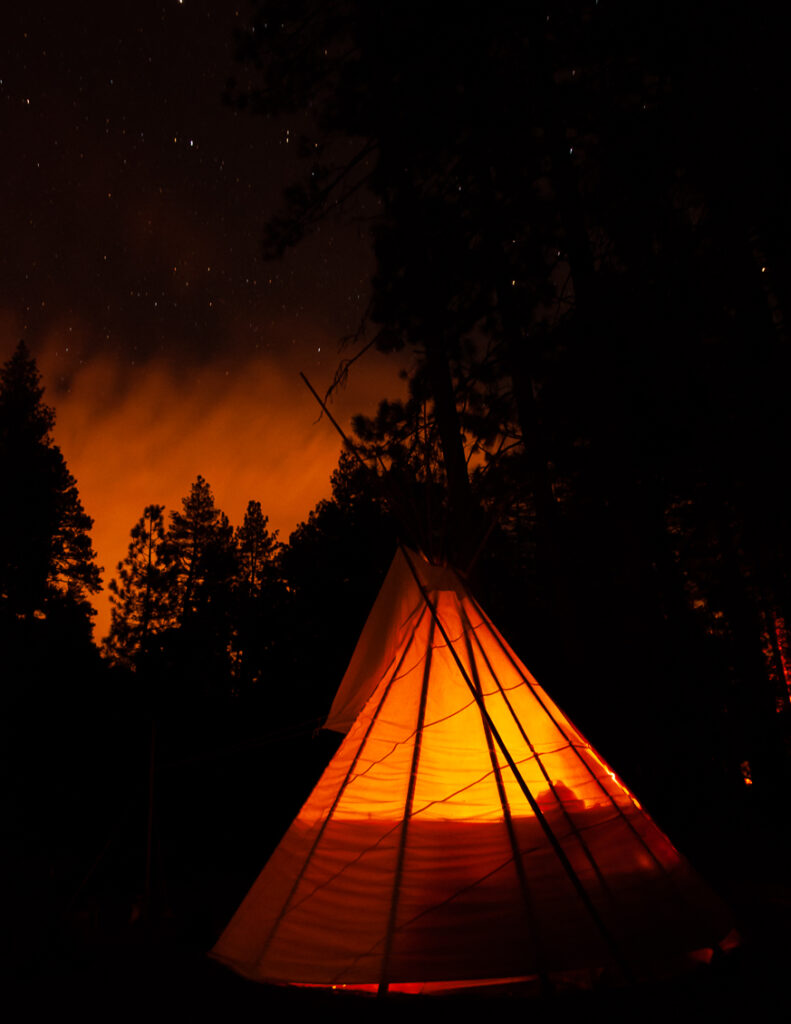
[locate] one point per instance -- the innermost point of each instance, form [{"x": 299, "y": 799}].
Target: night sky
[{"x": 133, "y": 203}]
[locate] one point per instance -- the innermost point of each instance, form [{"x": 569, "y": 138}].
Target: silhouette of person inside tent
[{"x": 548, "y": 798}]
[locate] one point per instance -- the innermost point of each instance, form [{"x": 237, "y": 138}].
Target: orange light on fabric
[{"x": 418, "y": 862}]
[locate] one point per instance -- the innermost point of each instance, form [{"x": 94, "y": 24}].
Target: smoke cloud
[{"x": 135, "y": 435}]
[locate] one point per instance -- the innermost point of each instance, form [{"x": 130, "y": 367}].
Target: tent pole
[
  {"x": 666, "y": 875},
  {"x": 569, "y": 820},
  {"x": 287, "y": 903},
  {"x": 350, "y": 446},
  {"x": 509, "y": 823},
  {"x": 387, "y": 491},
  {"x": 565, "y": 736},
  {"x": 557, "y": 848},
  {"x": 410, "y": 795}
]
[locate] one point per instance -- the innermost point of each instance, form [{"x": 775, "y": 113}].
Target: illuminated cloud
[{"x": 134, "y": 435}]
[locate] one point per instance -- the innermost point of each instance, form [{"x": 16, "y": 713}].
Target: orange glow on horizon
[{"x": 133, "y": 435}]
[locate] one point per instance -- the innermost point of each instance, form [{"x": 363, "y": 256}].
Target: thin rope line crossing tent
[{"x": 465, "y": 832}]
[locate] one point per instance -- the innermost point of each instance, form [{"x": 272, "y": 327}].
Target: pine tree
[
  {"x": 46, "y": 558},
  {"x": 255, "y": 548},
  {"x": 199, "y": 548},
  {"x": 141, "y": 601},
  {"x": 200, "y": 556},
  {"x": 258, "y": 593}
]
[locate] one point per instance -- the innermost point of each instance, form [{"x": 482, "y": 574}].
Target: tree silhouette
[
  {"x": 332, "y": 567},
  {"x": 200, "y": 560},
  {"x": 255, "y": 548},
  {"x": 199, "y": 549},
  {"x": 46, "y": 559},
  {"x": 141, "y": 598},
  {"x": 258, "y": 601},
  {"x": 51, "y": 672},
  {"x": 551, "y": 206}
]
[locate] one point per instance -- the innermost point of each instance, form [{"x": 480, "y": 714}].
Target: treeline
[
  {"x": 201, "y": 610},
  {"x": 580, "y": 226},
  {"x": 48, "y": 568},
  {"x": 224, "y": 652},
  {"x": 202, "y": 613}
]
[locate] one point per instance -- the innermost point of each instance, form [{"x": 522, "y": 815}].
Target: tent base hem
[{"x": 584, "y": 979}]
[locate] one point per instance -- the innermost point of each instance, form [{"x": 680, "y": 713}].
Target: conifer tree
[
  {"x": 46, "y": 558},
  {"x": 141, "y": 600},
  {"x": 199, "y": 548},
  {"x": 200, "y": 558},
  {"x": 255, "y": 548},
  {"x": 258, "y": 598}
]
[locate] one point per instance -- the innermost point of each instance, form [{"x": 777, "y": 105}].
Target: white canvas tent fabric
[{"x": 464, "y": 832}]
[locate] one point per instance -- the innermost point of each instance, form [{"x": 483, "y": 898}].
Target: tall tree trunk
[{"x": 463, "y": 515}]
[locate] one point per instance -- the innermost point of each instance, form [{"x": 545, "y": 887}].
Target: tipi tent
[{"x": 464, "y": 832}]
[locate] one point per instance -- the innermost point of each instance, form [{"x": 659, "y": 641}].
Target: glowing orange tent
[{"x": 465, "y": 832}]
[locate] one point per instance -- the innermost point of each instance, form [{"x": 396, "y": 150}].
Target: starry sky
[{"x": 133, "y": 204}]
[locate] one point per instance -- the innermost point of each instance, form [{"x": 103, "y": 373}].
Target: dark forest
[{"x": 580, "y": 226}]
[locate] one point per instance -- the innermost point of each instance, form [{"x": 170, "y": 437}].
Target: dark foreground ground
[
  {"x": 154, "y": 973},
  {"x": 74, "y": 942}
]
